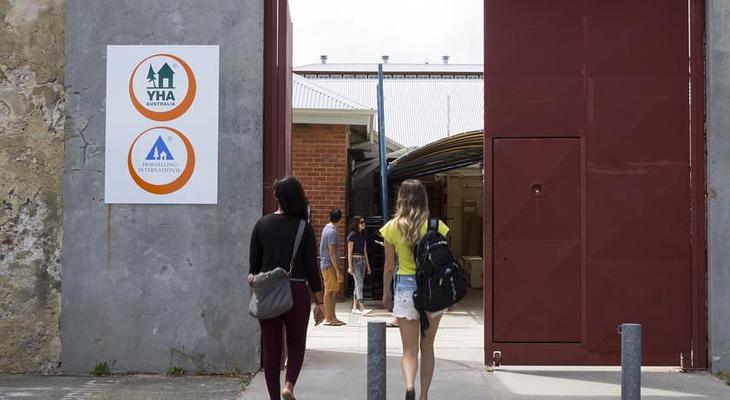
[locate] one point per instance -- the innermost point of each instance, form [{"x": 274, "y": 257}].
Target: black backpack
[{"x": 440, "y": 279}]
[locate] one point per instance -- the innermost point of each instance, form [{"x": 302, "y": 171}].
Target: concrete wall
[
  {"x": 718, "y": 168},
  {"x": 31, "y": 179},
  {"x": 149, "y": 287}
]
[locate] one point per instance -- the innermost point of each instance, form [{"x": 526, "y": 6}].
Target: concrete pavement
[
  {"x": 335, "y": 368},
  {"x": 118, "y": 387}
]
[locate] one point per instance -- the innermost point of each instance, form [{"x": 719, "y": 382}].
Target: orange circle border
[
  {"x": 175, "y": 112},
  {"x": 173, "y": 186}
]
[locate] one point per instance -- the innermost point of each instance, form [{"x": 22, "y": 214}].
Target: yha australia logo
[
  {"x": 162, "y": 87},
  {"x": 161, "y": 160}
]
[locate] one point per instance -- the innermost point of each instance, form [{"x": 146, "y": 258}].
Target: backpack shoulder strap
[{"x": 433, "y": 225}]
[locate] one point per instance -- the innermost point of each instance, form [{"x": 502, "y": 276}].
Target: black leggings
[{"x": 295, "y": 321}]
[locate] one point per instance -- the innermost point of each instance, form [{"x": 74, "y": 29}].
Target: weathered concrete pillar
[
  {"x": 31, "y": 183},
  {"x": 718, "y": 183},
  {"x": 142, "y": 281}
]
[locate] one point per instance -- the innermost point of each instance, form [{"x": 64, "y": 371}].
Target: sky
[{"x": 409, "y": 31}]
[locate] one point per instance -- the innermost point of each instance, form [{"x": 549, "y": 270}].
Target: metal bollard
[
  {"x": 376, "y": 360},
  {"x": 630, "y": 361}
]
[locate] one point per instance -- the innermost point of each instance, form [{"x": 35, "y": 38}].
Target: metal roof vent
[
  {"x": 385, "y": 58},
  {"x": 445, "y": 59},
  {"x": 323, "y": 58}
]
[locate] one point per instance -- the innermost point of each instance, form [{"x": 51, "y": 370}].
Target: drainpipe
[{"x": 381, "y": 138}]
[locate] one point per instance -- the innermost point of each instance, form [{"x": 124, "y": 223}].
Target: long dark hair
[
  {"x": 355, "y": 224},
  {"x": 290, "y": 195}
]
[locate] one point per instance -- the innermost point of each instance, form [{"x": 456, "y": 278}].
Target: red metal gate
[
  {"x": 596, "y": 215},
  {"x": 278, "y": 42}
]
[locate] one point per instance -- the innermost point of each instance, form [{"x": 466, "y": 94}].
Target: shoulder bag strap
[{"x": 297, "y": 241}]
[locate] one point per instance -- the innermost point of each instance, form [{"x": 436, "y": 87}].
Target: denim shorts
[{"x": 403, "y": 306}]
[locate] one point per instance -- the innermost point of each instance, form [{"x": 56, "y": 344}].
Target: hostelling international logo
[
  {"x": 161, "y": 160},
  {"x": 162, "y": 87}
]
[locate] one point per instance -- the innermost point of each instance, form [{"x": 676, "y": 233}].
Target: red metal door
[
  {"x": 537, "y": 268},
  {"x": 611, "y": 78}
]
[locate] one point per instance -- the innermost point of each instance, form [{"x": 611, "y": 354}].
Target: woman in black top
[
  {"x": 357, "y": 262},
  {"x": 272, "y": 243}
]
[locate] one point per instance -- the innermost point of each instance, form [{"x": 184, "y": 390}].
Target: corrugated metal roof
[
  {"x": 418, "y": 111},
  {"x": 443, "y": 155},
  {"x": 373, "y": 68},
  {"x": 308, "y": 95}
]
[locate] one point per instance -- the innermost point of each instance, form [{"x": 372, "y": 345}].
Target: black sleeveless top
[{"x": 272, "y": 242}]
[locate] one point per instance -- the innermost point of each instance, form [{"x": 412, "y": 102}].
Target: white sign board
[{"x": 161, "y": 125}]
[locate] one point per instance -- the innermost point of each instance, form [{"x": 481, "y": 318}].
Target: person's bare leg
[
  {"x": 409, "y": 333},
  {"x": 329, "y": 307},
  {"x": 428, "y": 358}
]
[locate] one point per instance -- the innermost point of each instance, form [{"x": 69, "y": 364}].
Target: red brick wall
[{"x": 319, "y": 160}]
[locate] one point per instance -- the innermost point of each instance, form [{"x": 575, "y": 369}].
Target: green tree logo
[{"x": 152, "y": 77}]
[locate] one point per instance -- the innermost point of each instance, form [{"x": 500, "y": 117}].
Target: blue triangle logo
[{"x": 159, "y": 151}]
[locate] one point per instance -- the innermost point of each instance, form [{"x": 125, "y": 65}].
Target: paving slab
[
  {"x": 537, "y": 383},
  {"x": 118, "y": 387}
]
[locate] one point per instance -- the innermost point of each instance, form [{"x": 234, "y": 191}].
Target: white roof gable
[{"x": 308, "y": 95}]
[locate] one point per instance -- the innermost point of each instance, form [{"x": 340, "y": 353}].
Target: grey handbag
[{"x": 271, "y": 290}]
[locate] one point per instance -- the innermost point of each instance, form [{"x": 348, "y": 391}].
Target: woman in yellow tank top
[{"x": 401, "y": 235}]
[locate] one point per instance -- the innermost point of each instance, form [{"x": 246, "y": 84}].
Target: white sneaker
[
  {"x": 356, "y": 311},
  {"x": 366, "y": 311}
]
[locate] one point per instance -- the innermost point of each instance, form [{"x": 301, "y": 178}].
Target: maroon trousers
[{"x": 295, "y": 321}]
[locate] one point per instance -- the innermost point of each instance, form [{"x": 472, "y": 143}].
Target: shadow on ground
[{"x": 342, "y": 375}]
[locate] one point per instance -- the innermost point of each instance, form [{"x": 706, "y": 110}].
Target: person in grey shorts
[
  {"x": 332, "y": 275},
  {"x": 357, "y": 262}
]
